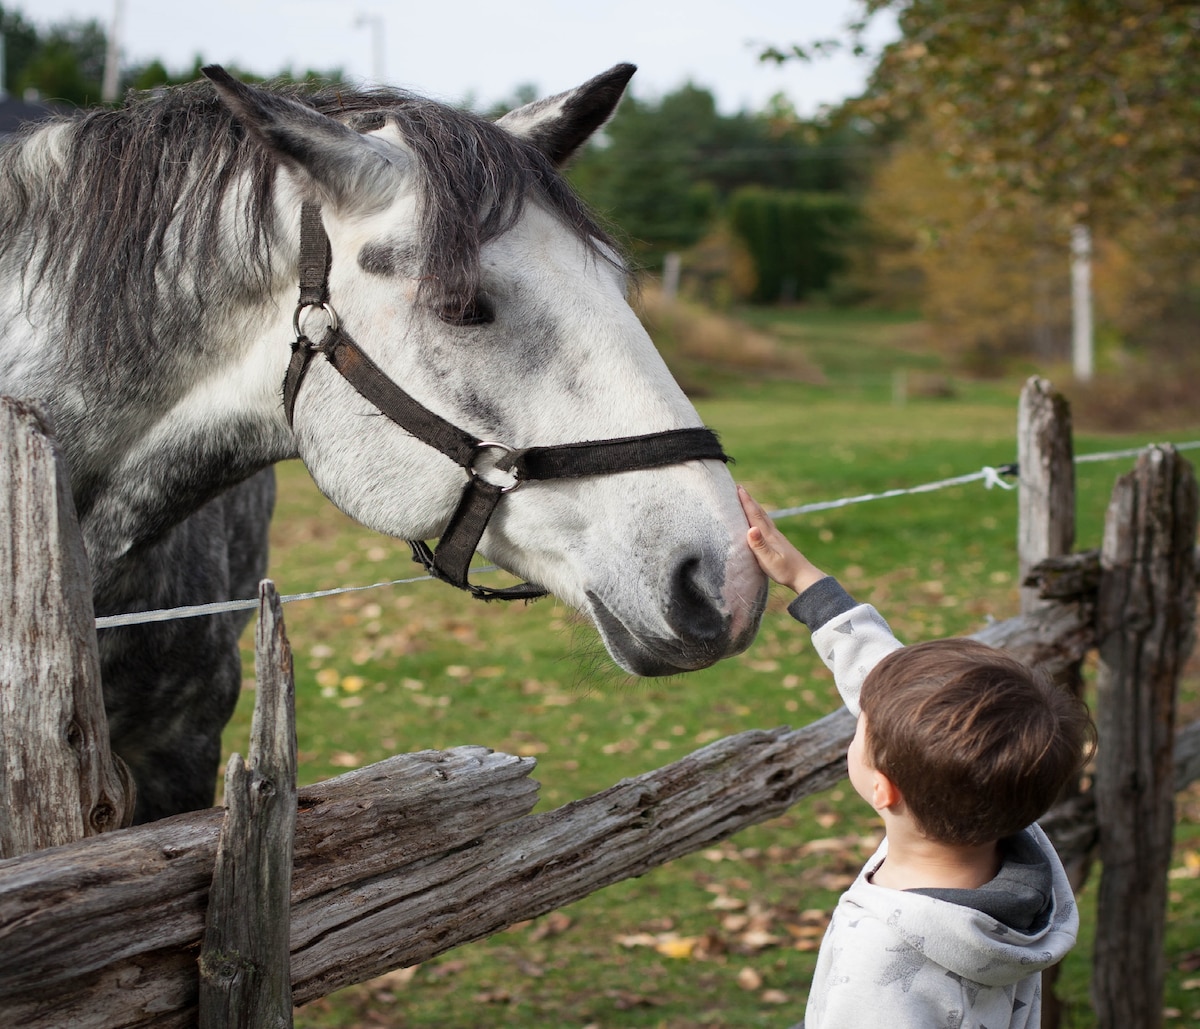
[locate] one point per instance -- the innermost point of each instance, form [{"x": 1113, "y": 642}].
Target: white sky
[{"x": 483, "y": 49}]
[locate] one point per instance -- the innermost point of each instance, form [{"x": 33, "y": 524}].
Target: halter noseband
[{"x": 450, "y": 561}]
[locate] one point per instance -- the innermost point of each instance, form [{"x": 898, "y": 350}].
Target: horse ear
[
  {"x": 560, "y": 125},
  {"x": 347, "y": 167}
]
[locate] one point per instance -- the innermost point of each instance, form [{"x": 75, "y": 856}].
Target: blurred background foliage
[{"x": 948, "y": 189}]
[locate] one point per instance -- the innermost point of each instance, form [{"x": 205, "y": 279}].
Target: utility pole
[
  {"x": 112, "y": 55},
  {"x": 375, "y": 23}
]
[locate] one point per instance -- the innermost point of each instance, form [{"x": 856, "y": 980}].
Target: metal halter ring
[
  {"x": 485, "y": 444},
  {"x": 330, "y": 313}
]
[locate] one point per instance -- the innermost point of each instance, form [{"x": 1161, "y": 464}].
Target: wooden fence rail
[{"x": 396, "y": 862}]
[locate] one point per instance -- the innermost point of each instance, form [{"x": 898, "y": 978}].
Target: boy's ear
[{"x": 884, "y": 793}]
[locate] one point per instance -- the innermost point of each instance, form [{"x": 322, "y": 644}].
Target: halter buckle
[
  {"x": 301, "y": 309},
  {"x": 501, "y": 466}
]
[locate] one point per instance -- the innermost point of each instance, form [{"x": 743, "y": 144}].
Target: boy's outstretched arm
[
  {"x": 775, "y": 553},
  {"x": 850, "y": 637}
]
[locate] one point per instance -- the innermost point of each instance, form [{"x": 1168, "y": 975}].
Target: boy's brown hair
[{"x": 979, "y": 744}]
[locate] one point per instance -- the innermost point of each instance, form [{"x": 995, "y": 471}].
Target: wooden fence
[{"x": 229, "y": 917}]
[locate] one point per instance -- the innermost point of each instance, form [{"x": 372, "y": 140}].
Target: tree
[
  {"x": 67, "y": 64},
  {"x": 643, "y": 174},
  {"x": 991, "y": 284},
  {"x": 1084, "y": 108},
  {"x": 20, "y": 44},
  {"x": 665, "y": 170},
  {"x": 797, "y": 240},
  {"x": 1088, "y": 104}
]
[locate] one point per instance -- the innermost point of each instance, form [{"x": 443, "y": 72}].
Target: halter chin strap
[{"x": 452, "y": 558}]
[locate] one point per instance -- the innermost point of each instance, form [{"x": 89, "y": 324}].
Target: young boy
[{"x": 959, "y": 748}]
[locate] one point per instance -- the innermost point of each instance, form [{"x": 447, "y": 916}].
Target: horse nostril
[{"x": 695, "y": 610}]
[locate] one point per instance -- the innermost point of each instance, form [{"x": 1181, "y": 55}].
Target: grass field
[{"x": 726, "y": 937}]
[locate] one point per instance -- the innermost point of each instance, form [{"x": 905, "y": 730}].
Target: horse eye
[{"x": 476, "y": 311}]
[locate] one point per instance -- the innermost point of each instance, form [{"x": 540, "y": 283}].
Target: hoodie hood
[{"x": 1023, "y": 921}]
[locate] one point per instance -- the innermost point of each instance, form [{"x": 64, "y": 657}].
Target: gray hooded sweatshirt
[{"x": 930, "y": 959}]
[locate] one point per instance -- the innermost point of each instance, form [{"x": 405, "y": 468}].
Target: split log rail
[{"x": 229, "y": 917}]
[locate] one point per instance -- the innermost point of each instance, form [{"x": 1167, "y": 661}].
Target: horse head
[{"x": 470, "y": 276}]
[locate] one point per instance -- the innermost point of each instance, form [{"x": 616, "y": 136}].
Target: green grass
[{"x": 410, "y": 667}]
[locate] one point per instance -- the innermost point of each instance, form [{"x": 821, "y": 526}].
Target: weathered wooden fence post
[
  {"x": 1146, "y": 622},
  {"x": 245, "y": 961},
  {"x": 1045, "y": 529},
  {"x": 1046, "y": 475},
  {"x": 58, "y": 779}
]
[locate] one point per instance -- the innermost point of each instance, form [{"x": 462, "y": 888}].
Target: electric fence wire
[{"x": 990, "y": 476}]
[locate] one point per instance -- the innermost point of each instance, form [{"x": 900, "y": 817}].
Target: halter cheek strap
[{"x": 451, "y": 560}]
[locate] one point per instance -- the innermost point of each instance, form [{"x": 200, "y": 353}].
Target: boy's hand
[{"x": 775, "y": 553}]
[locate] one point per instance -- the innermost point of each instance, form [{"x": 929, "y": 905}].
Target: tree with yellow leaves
[{"x": 1069, "y": 111}]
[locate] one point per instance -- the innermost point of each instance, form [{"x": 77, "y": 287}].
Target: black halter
[{"x": 480, "y": 496}]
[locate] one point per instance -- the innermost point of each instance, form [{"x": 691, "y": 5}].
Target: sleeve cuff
[{"x": 822, "y": 601}]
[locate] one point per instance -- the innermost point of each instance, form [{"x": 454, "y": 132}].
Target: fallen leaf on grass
[
  {"x": 749, "y": 979},
  {"x": 1190, "y": 868},
  {"x": 673, "y": 945},
  {"x": 680, "y": 947},
  {"x": 830, "y": 845},
  {"x": 805, "y": 932},
  {"x": 624, "y": 1000},
  {"x": 754, "y": 940},
  {"x": 554, "y": 924},
  {"x": 805, "y": 938},
  {"x": 631, "y": 940},
  {"x": 808, "y": 930},
  {"x": 658, "y": 925},
  {"x": 384, "y": 987},
  {"x": 724, "y": 902},
  {"x": 755, "y": 928},
  {"x": 445, "y": 969},
  {"x": 835, "y": 882}
]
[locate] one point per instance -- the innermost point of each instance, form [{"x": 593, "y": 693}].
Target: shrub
[{"x": 797, "y": 240}]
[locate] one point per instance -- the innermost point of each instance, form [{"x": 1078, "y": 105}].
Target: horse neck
[{"x": 150, "y": 445}]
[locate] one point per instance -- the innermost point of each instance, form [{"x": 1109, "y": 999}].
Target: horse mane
[{"x": 103, "y": 208}]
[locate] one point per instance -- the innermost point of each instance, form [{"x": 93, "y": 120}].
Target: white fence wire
[{"x": 988, "y": 475}]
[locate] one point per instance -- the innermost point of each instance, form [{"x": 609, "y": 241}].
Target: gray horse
[{"x": 155, "y": 289}]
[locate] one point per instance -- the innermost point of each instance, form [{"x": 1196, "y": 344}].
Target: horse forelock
[
  {"x": 476, "y": 179},
  {"x": 127, "y": 205}
]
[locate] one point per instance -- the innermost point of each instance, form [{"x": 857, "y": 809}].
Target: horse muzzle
[{"x": 696, "y": 625}]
